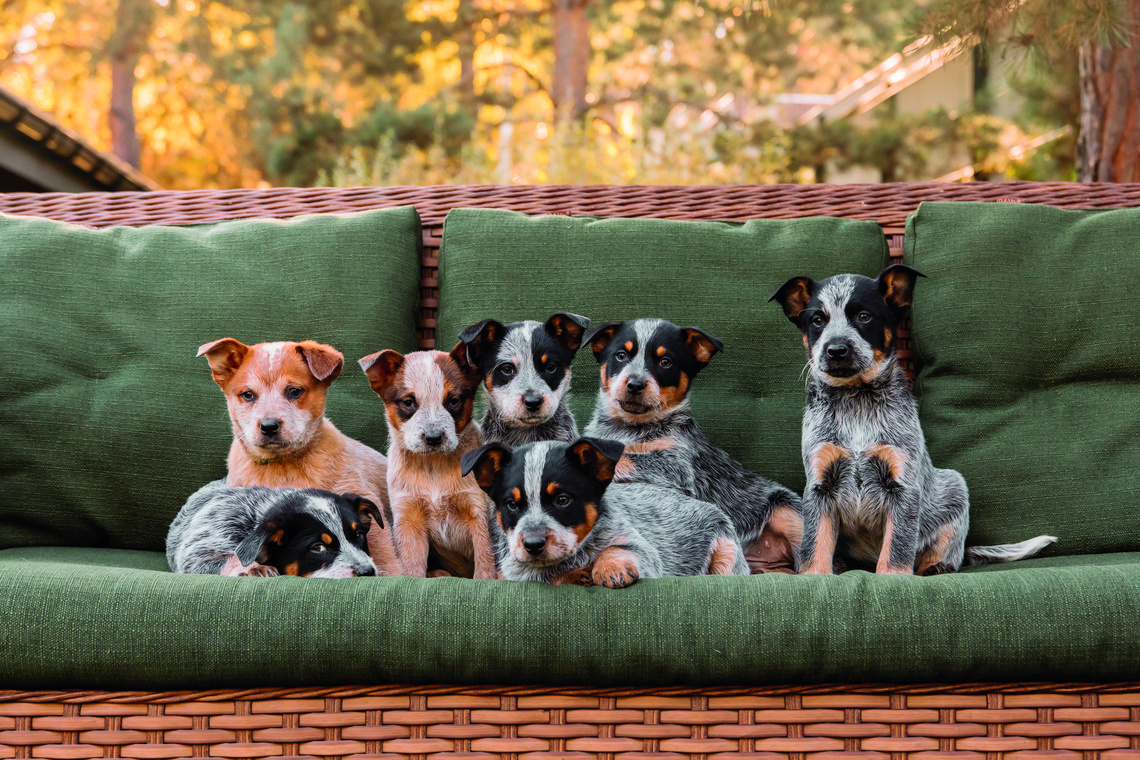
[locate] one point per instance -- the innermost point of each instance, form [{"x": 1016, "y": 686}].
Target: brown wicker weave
[{"x": 504, "y": 723}]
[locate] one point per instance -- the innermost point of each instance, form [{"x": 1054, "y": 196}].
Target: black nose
[
  {"x": 270, "y": 427},
  {"x": 837, "y": 350},
  {"x": 532, "y": 403},
  {"x": 635, "y": 386},
  {"x": 365, "y": 571},
  {"x": 534, "y": 544},
  {"x": 433, "y": 437}
]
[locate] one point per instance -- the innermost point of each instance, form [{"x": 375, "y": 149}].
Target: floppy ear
[
  {"x": 479, "y": 338},
  {"x": 325, "y": 362},
  {"x": 567, "y": 329},
  {"x": 459, "y": 355},
  {"x": 896, "y": 283},
  {"x": 701, "y": 345},
  {"x": 381, "y": 368},
  {"x": 794, "y": 296},
  {"x": 597, "y": 456},
  {"x": 600, "y": 337},
  {"x": 365, "y": 507},
  {"x": 486, "y": 462},
  {"x": 224, "y": 356},
  {"x": 252, "y": 548}
]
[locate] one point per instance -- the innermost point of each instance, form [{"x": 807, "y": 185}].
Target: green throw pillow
[
  {"x": 1028, "y": 334},
  {"x": 109, "y": 420},
  {"x": 714, "y": 275}
]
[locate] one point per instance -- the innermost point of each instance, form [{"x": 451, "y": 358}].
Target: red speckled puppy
[
  {"x": 276, "y": 397},
  {"x": 428, "y": 400}
]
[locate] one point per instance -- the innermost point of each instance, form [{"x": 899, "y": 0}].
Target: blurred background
[{"x": 203, "y": 94}]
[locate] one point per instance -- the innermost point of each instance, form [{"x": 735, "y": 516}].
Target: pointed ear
[
  {"x": 466, "y": 366},
  {"x": 597, "y": 456},
  {"x": 479, "y": 338},
  {"x": 224, "y": 356},
  {"x": 486, "y": 462},
  {"x": 794, "y": 296},
  {"x": 381, "y": 369},
  {"x": 365, "y": 508},
  {"x": 567, "y": 329},
  {"x": 325, "y": 362},
  {"x": 896, "y": 283},
  {"x": 600, "y": 337},
  {"x": 701, "y": 345}
]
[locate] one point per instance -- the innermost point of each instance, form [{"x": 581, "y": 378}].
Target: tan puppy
[
  {"x": 276, "y": 397},
  {"x": 428, "y": 398}
]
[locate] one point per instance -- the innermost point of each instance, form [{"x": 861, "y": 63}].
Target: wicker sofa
[{"x": 977, "y": 719}]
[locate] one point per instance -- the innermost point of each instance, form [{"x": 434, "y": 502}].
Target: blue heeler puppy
[{"x": 870, "y": 480}]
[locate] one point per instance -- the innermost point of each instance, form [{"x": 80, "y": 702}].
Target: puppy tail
[{"x": 985, "y": 555}]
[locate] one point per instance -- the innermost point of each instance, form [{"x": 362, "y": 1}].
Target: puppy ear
[
  {"x": 597, "y": 456},
  {"x": 325, "y": 362},
  {"x": 253, "y": 547},
  {"x": 486, "y": 462},
  {"x": 466, "y": 366},
  {"x": 794, "y": 296},
  {"x": 896, "y": 283},
  {"x": 224, "y": 356},
  {"x": 479, "y": 338},
  {"x": 365, "y": 507},
  {"x": 600, "y": 337},
  {"x": 381, "y": 369},
  {"x": 567, "y": 329},
  {"x": 701, "y": 345}
]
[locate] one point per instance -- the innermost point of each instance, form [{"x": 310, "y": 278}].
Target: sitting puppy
[
  {"x": 647, "y": 368},
  {"x": 272, "y": 531},
  {"x": 526, "y": 371},
  {"x": 428, "y": 401},
  {"x": 561, "y": 521},
  {"x": 869, "y": 476},
  {"x": 276, "y": 398}
]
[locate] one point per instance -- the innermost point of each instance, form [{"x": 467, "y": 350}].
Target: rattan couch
[{"x": 536, "y": 723}]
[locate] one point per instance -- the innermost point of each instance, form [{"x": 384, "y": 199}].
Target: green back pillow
[
  {"x": 109, "y": 420},
  {"x": 713, "y": 275},
  {"x": 1028, "y": 334}
]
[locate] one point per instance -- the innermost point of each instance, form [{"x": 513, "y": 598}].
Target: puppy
[
  {"x": 526, "y": 371},
  {"x": 560, "y": 520},
  {"x": 272, "y": 531},
  {"x": 276, "y": 398},
  {"x": 647, "y": 368},
  {"x": 869, "y": 476},
  {"x": 428, "y": 402}
]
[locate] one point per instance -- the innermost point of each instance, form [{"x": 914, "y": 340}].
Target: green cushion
[
  {"x": 1028, "y": 333},
  {"x": 713, "y": 275},
  {"x": 110, "y": 619},
  {"x": 109, "y": 420}
]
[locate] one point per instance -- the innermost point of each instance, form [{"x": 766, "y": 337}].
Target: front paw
[
  {"x": 488, "y": 575},
  {"x": 580, "y": 577},
  {"x": 259, "y": 571},
  {"x": 616, "y": 569}
]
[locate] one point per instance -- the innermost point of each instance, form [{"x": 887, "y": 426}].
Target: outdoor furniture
[{"x": 982, "y": 718}]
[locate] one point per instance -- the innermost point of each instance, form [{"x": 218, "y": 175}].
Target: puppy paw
[
  {"x": 440, "y": 573},
  {"x": 488, "y": 575},
  {"x": 615, "y": 568},
  {"x": 260, "y": 571},
  {"x": 580, "y": 577}
]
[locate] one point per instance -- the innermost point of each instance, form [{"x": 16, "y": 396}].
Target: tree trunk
[
  {"x": 124, "y": 135},
  {"x": 572, "y": 54},
  {"x": 1108, "y": 149}
]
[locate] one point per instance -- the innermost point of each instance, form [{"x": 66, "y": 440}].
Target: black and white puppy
[
  {"x": 561, "y": 521},
  {"x": 647, "y": 367},
  {"x": 272, "y": 531},
  {"x": 526, "y": 373},
  {"x": 870, "y": 480}
]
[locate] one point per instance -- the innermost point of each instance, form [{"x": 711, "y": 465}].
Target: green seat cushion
[
  {"x": 109, "y": 420},
  {"x": 714, "y": 275},
  {"x": 113, "y": 619},
  {"x": 1027, "y": 331}
]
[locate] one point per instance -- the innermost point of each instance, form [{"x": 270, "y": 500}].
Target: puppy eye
[
  {"x": 510, "y": 505},
  {"x": 508, "y": 369},
  {"x": 408, "y": 403},
  {"x": 818, "y": 321},
  {"x": 247, "y": 396},
  {"x": 550, "y": 367},
  {"x": 318, "y": 548},
  {"x": 864, "y": 316},
  {"x": 293, "y": 393},
  {"x": 664, "y": 362},
  {"x": 454, "y": 403},
  {"x": 621, "y": 356},
  {"x": 562, "y": 500}
]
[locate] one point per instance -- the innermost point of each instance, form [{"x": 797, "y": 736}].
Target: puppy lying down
[{"x": 272, "y": 531}]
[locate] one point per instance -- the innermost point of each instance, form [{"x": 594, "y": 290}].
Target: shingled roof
[{"x": 39, "y": 154}]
